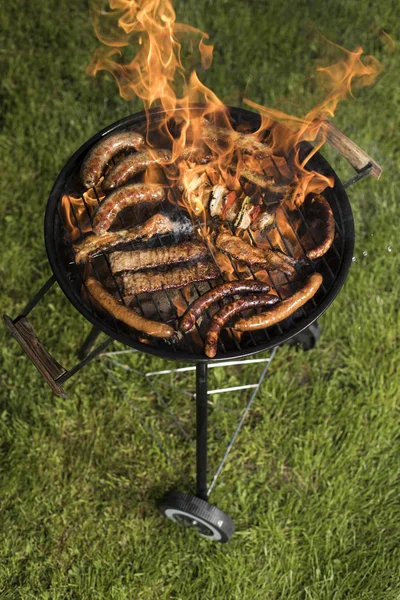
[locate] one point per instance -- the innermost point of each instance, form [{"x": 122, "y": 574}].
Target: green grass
[{"x": 313, "y": 482}]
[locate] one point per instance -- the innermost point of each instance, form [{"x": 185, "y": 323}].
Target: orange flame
[
  {"x": 147, "y": 29},
  {"x": 145, "y": 50},
  {"x": 78, "y": 210},
  {"x": 338, "y": 80}
]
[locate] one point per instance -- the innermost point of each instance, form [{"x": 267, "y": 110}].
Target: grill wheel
[{"x": 192, "y": 512}]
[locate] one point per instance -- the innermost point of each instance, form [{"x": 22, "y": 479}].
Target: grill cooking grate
[{"x": 160, "y": 306}]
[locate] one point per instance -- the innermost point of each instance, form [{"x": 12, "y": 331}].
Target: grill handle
[
  {"x": 358, "y": 159},
  {"x": 22, "y": 330},
  {"x": 53, "y": 373}
]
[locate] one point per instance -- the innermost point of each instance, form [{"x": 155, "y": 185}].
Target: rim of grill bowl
[{"x": 53, "y": 238}]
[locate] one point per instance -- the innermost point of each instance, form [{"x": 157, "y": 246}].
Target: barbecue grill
[{"x": 301, "y": 326}]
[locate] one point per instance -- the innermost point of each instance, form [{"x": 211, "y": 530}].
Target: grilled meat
[
  {"x": 133, "y": 164},
  {"x": 94, "y": 244},
  {"x": 318, "y": 205},
  {"x": 197, "y": 154},
  {"x": 101, "y": 154},
  {"x": 263, "y": 181},
  {"x": 135, "y": 260},
  {"x": 228, "y": 206},
  {"x": 242, "y": 141},
  {"x": 124, "y": 313},
  {"x": 178, "y": 277},
  {"x": 242, "y": 250},
  {"x": 128, "y": 195},
  {"x": 229, "y": 288},
  {"x": 225, "y": 204},
  {"x": 284, "y": 309},
  {"x": 228, "y": 311}
]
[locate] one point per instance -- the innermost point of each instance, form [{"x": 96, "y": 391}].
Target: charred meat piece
[
  {"x": 242, "y": 250},
  {"x": 228, "y": 311},
  {"x": 242, "y": 141},
  {"x": 136, "y": 260},
  {"x": 318, "y": 206},
  {"x": 124, "y": 313},
  {"x": 128, "y": 195},
  {"x": 133, "y": 164},
  {"x": 178, "y": 277},
  {"x": 284, "y": 309},
  {"x": 230, "y": 288},
  {"x": 197, "y": 154},
  {"x": 94, "y": 244},
  {"x": 263, "y": 181},
  {"x": 101, "y": 154}
]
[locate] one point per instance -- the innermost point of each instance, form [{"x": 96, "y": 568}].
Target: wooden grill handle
[
  {"x": 22, "y": 330},
  {"x": 347, "y": 148}
]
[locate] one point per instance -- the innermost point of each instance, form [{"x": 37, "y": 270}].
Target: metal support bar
[
  {"x": 36, "y": 298},
  {"x": 364, "y": 172},
  {"x": 88, "y": 343},
  {"x": 242, "y": 419},
  {"x": 85, "y": 361},
  {"x": 227, "y": 363},
  {"x": 201, "y": 430}
]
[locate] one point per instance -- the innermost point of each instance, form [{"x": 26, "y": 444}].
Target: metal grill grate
[{"x": 160, "y": 306}]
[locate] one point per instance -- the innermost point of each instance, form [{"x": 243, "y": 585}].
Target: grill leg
[
  {"x": 201, "y": 430},
  {"x": 88, "y": 343}
]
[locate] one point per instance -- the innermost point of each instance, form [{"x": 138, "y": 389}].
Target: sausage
[
  {"x": 101, "y": 154},
  {"x": 284, "y": 309},
  {"x": 125, "y": 314},
  {"x": 93, "y": 244},
  {"x": 128, "y": 195},
  {"x": 217, "y": 293},
  {"x": 133, "y": 164},
  {"x": 324, "y": 213},
  {"x": 227, "y": 312}
]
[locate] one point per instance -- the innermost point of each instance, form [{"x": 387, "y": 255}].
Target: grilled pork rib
[
  {"x": 152, "y": 281},
  {"x": 135, "y": 260}
]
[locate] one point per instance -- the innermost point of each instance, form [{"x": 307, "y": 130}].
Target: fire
[
  {"x": 157, "y": 73},
  {"x": 78, "y": 210}
]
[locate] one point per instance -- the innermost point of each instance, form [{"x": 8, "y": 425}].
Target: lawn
[{"x": 313, "y": 482}]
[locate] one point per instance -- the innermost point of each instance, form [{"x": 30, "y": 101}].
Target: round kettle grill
[{"x": 193, "y": 511}]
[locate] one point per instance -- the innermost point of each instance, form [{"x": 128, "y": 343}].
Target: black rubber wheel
[
  {"x": 190, "y": 511},
  {"x": 307, "y": 339}
]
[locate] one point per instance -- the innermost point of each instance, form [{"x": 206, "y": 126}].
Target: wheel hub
[{"x": 188, "y": 521}]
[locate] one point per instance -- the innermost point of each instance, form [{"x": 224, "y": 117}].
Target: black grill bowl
[{"x": 334, "y": 265}]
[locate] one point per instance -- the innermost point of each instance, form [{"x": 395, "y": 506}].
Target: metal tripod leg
[
  {"x": 201, "y": 430},
  {"x": 88, "y": 343}
]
